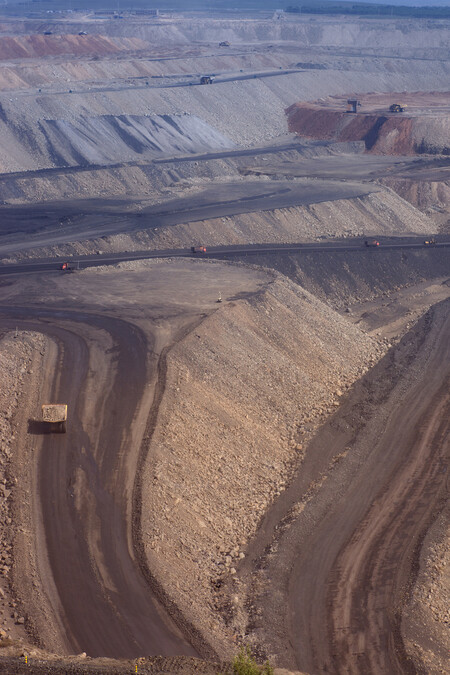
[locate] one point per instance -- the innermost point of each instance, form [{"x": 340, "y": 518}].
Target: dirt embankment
[
  {"x": 342, "y": 278},
  {"x": 431, "y": 197},
  {"x": 381, "y": 213},
  {"x": 20, "y": 369},
  {"x": 243, "y": 393},
  {"x": 111, "y": 139},
  {"x": 372, "y": 35},
  {"x": 386, "y": 133},
  {"x": 32, "y": 46},
  {"x": 428, "y": 606}
]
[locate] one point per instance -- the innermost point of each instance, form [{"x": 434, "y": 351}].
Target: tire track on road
[{"x": 106, "y": 605}]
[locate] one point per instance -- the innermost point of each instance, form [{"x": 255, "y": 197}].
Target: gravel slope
[{"x": 240, "y": 391}]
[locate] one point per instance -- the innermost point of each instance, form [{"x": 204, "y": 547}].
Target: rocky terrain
[
  {"x": 111, "y": 145},
  {"x": 428, "y": 608},
  {"x": 243, "y": 393},
  {"x": 21, "y": 367}
]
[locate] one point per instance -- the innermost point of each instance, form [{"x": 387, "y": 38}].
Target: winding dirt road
[
  {"x": 361, "y": 555},
  {"x": 91, "y": 588},
  {"x": 339, "y": 552},
  {"x": 106, "y": 605}
]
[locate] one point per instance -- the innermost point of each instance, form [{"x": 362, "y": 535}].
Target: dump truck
[
  {"x": 206, "y": 79},
  {"x": 371, "y": 242},
  {"x": 198, "y": 249},
  {"x": 54, "y": 415},
  {"x": 429, "y": 242},
  {"x": 397, "y": 107}
]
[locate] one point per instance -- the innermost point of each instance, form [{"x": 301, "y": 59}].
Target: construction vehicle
[
  {"x": 198, "y": 249},
  {"x": 372, "y": 242},
  {"x": 206, "y": 79},
  {"x": 397, "y": 108},
  {"x": 429, "y": 242},
  {"x": 353, "y": 105},
  {"x": 54, "y": 415}
]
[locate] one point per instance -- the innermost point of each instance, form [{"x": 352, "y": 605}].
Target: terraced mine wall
[
  {"x": 382, "y": 133},
  {"x": 341, "y": 278},
  {"x": 380, "y": 213},
  {"x": 371, "y": 34}
]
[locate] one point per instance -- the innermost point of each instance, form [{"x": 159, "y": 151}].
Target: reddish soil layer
[
  {"x": 422, "y": 128},
  {"x": 31, "y": 46}
]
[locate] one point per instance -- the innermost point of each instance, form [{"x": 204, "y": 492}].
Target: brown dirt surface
[
  {"x": 426, "y": 618},
  {"x": 243, "y": 393},
  {"x": 257, "y": 470},
  {"x": 21, "y": 363},
  {"x": 42, "y": 46},
  {"x": 431, "y": 197},
  {"x": 38, "y": 577},
  {"x": 369, "y": 572},
  {"x": 423, "y": 128}
]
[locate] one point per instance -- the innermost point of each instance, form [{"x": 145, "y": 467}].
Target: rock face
[
  {"x": 383, "y": 132},
  {"x": 243, "y": 392}
]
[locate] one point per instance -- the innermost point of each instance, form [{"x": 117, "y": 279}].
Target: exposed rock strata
[{"x": 385, "y": 133}]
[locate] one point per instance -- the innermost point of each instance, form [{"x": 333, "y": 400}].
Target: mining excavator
[
  {"x": 352, "y": 105},
  {"x": 397, "y": 107}
]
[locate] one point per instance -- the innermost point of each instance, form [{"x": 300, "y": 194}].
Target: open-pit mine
[{"x": 224, "y": 246}]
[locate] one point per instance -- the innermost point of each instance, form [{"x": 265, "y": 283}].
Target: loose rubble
[
  {"x": 20, "y": 353},
  {"x": 244, "y": 393}
]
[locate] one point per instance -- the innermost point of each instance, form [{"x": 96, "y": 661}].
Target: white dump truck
[{"x": 55, "y": 416}]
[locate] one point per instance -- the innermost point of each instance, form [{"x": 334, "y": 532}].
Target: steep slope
[
  {"x": 425, "y": 128},
  {"x": 32, "y": 46},
  {"x": 242, "y": 393},
  {"x": 110, "y": 139}
]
